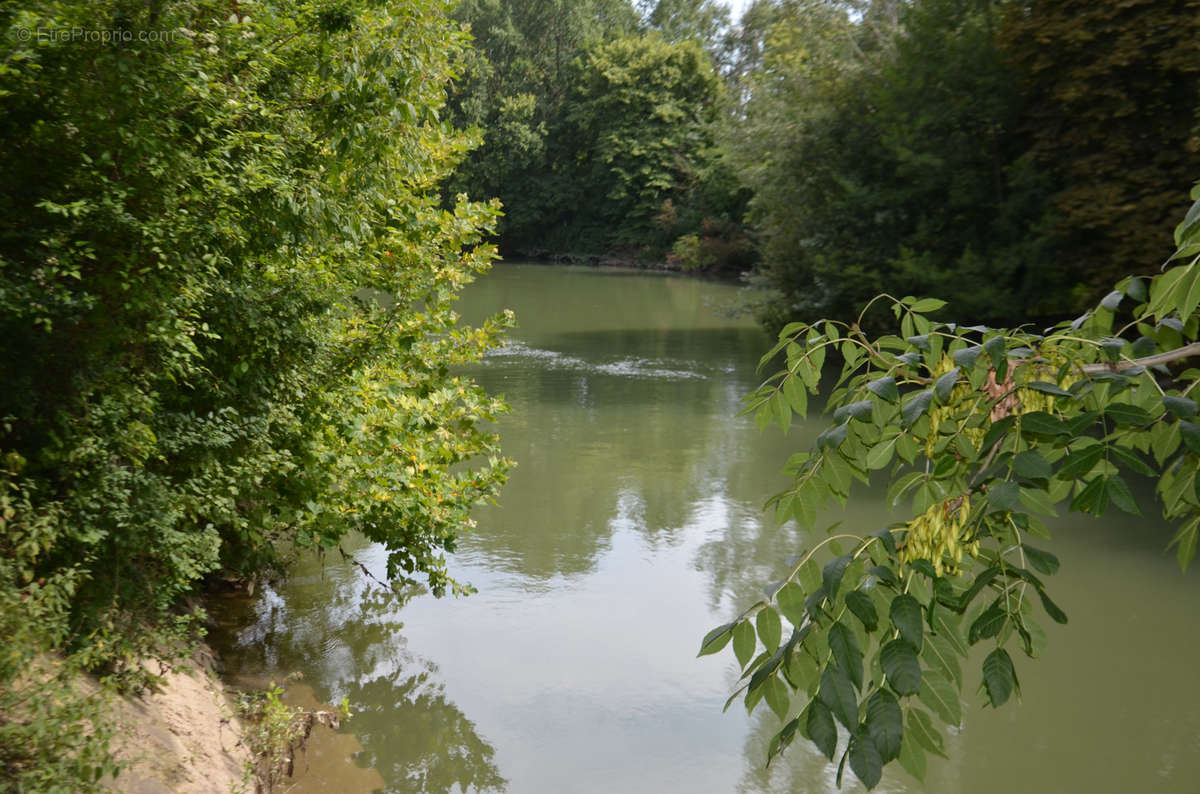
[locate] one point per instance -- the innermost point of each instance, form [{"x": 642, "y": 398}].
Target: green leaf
[
  {"x": 1131, "y": 459},
  {"x": 939, "y": 654},
  {"x": 1164, "y": 440},
  {"x": 901, "y": 666},
  {"x": 1121, "y": 496},
  {"x": 1128, "y": 414},
  {"x": 837, "y": 693},
  {"x": 881, "y": 454},
  {"x": 1042, "y": 561},
  {"x": 762, "y": 417},
  {"x": 948, "y": 630},
  {"x": 810, "y": 576},
  {"x": 743, "y": 642},
  {"x": 864, "y": 759},
  {"x": 1185, "y": 540},
  {"x": 995, "y": 348},
  {"x": 797, "y": 395},
  {"x": 905, "y": 614},
  {"x": 1048, "y": 388},
  {"x": 846, "y": 653},
  {"x": 1038, "y": 500},
  {"x": 1112, "y": 300},
  {"x": 1136, "y": 290},
  {"x": 781, "y": 411},
  {"x": 790, "y": 599},
  {"x": 919, "y": 341},
  {"x": 1181, "y": 407},
  {"x": 769, "y": 628},
  {"x": 801, "y": 672},
  {"x": 1093, "y": 498},
  {"x": 939, "y": 693},
  {"x": 945, "y": 384},
  {"x": 781, "y": 740},
  {"x": 925, "y": 305},
  {"x": 1004, "y": 495},
  {"x": 989, "y": 623},
  {"x": 1187, "y": 295},
  {"x": 716, "y": 639},
  {"x": 863, "y": 608},
  {"x": 967, "y": 357},
  {"x": 860, "y": 410},
  {"x": 1052, "y": 609},
  {"x": 982, "y": 580},
  {"x": 999, "y": 678},
  {"x": 832, "y": 438},
  {"x": 996, "y": 431},
  {"x": 916, "y": 406},
  {"x": 1191, "y": 435},
  {"x": 821, "y": 728},
  {"x": 1080, "y": 462},
  {"x": 885, "y": 388},
  {"x": 831, "y": 574},
  {"x": 885, "y": 724},
  {"x": 919, "y": 725},
  {"x": 912, "y": 758},
  {"x": 886, "y": 538},
  {"x": 1042, "y": 424},
  {"x": 1031, "y": 465},
  {"x": 777, "y": 697}
]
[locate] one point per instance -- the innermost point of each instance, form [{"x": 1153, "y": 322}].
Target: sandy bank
[{"x": 184, "y": 739}]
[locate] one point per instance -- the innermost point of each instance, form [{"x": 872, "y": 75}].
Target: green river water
[{"x": 632, "y": 526}]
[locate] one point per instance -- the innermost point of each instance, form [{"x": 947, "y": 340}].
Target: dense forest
[
  {"x": 1012, "y": 158},
  {"x": 231, "y": 235}
]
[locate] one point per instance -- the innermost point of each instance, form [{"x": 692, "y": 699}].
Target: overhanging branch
[{"x": 1187, "y": 351}]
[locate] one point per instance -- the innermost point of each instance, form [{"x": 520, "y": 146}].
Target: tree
[
  {"x": 881, "y": 158},
  {"x": 226, "y": 285},
  {"x": 1111, "y": 92},
  {"x": 513, "y": 86},
  {"x": 984, "y": 432},
  {"x": 638, "y": 118},
  {"x": 999, "y": 155}
]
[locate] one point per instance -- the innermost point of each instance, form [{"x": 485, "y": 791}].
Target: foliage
[
  {"x": 603, "y": 141},
  {"x": 984, "y": 432},
  {"x": 637, "y": 113},
  {"x": 702, "y": 21},
  {"x": 513, "y": 88},
  {"x": 53, "y": 737},
  {"x": 879, "y": 162},
  {"x": 226, "y": 285},
  {"x": 278, "y": 731},
  {"x": 998, "y": 155},
  {"x": 1110, "y": 98}
]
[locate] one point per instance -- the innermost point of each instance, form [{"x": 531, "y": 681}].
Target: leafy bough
[{"x": 985, "y": 433}]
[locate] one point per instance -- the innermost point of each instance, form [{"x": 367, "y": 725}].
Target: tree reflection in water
[
  {"x": 341, "y": 632},
  {"x": 418, "y": 739}
]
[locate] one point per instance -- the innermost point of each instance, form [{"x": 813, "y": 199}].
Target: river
[{"x": 631, "y": 526}]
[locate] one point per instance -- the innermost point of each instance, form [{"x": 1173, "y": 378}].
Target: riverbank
[{"x": 184, "y": 738}]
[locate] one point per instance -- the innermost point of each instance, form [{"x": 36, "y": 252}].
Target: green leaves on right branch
[{"x": 980, "y": 433}]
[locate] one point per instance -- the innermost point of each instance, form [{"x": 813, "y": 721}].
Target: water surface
[{"x": 631, "y": 526}]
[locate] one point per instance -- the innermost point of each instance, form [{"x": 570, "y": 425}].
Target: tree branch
[{"x": 1186, "y": 351}]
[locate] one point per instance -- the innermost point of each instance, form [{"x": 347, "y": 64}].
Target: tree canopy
[
  {"x": 1012, "y": 158},
  {"x": 599, "y": 125},
  {"x": 984, "y": 433},
  {"x": 226, "y": 325}
]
